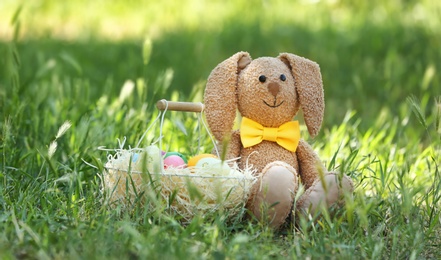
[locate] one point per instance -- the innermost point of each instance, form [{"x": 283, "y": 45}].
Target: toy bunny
[{"x": 268, "y": 93}]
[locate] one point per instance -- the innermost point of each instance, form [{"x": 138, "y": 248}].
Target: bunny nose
[{"x": 274, "y": 88}]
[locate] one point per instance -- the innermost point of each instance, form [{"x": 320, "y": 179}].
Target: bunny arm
[
  {"x": 310, "y": 165},
  {"x": 234, "y": 146}
]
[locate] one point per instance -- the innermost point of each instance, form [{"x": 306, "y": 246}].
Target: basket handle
[{"x": 179, "y": 106}]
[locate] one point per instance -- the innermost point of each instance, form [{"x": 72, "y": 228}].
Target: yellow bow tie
[{"x": 287, "y": 135}]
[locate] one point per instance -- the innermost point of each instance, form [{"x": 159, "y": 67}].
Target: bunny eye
[
  {"x": 282, "y": 77},
  {"x": 262, "y": 78}
]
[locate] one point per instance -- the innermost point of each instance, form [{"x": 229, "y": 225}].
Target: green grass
[{"x": 379, "y": 60}]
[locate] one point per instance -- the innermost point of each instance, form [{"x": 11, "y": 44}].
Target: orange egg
[{"x": 194, "y": 160}]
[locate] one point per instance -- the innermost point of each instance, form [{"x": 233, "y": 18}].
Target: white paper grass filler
[{"x": 186, "y": 190}]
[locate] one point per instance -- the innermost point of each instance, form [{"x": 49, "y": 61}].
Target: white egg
[
  {"x": 153, "y": 159},
  {"x": 214, "y": 166}
]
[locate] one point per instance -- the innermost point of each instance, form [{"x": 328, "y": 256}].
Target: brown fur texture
[{"x": 234, "y": 85}]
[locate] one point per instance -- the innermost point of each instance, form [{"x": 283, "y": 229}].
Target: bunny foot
[
  {"x": 274, "y": 195},
  {"x": 319, "y": 195}
]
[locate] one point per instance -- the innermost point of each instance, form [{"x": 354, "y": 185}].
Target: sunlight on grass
[{"x": 121, "y": 19}]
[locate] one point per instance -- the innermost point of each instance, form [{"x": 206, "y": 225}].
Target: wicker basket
[{"x": 187, "y": 191}]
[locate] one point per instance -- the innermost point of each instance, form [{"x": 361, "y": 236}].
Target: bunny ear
[
  {"x": 309, "y": 86},
  {"x": 220, "y": 94}
]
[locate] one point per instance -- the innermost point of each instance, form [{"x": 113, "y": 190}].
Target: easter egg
[
  {"x": 153, "y": 159},
  {"x": 135, "y": 157},
  {"x": 174, "y": 161},
  {"x": 194, "y": 160},
  {"x": 213, "y": 165},
  {"x": 176, "y": 153},
  {"x": 208, "y": 162}
]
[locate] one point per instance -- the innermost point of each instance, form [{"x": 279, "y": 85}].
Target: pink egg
[{"x": 174, "y": 161}]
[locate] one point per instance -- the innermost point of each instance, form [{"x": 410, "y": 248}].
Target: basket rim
[{"x": 164, "y": 173}]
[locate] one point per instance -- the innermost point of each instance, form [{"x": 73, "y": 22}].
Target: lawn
[{"x": 102, "y": 65}]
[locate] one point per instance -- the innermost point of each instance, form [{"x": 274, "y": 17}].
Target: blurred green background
[{"x": 373, "y": 54}]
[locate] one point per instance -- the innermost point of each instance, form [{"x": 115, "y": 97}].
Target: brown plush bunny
[{"x": 268, "y": 92}]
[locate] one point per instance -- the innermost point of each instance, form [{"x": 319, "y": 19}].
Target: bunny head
[{"x": 267, "y": 90}]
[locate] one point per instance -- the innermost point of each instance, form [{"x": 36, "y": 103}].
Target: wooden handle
[{"x": 179, "y": 106}]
